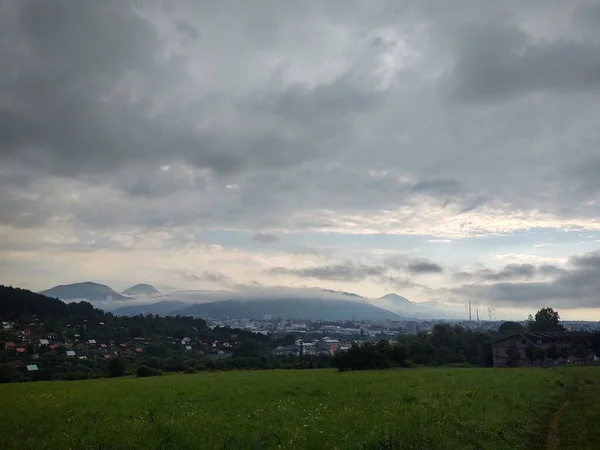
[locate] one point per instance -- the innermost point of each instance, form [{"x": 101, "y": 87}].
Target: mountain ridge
[{"x": 87, "y": 290}]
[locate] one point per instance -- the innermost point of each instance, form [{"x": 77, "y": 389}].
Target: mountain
[
  {"x": 397, "y": 300},
  {"x": 405, "y": 308},
  {"x": 291, "y": 308},
  {"x": 83, "y": 291},
  {"x": 141, "y": 290}
]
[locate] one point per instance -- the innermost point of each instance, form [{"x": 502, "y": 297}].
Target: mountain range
[
  {"x": 83, "y": 291},
  {"x": 306, "y": 303}
]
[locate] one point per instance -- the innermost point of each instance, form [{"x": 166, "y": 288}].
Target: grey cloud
[
  {"x": 188, "y": 30},
  {"x": 590, "y": 261},
  {"x": 207, "y": 276},
  {"x": 317, "y": 112},
  {"x": 499, "y": 61},
  {"x": 509, "y": 272},
  {"x": 575, "y": 287},
  {"x": 417, "y": 267},
  {"x": 265, "y": 238},
  {"x": 414, "y": 266},
  {"x": 402, "y": 283},
  {"x": 337, "y": 272}
]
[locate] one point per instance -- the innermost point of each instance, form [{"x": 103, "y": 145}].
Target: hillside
[
  {"x": 141, "y": 290},
  {"x": 441, "y": 408},
  {"x": 294, "y": 308},
  {"x": 83, "y": 291},
  {"x": 405, "y": 308}
]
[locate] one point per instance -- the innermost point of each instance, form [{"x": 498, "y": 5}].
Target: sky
[{"x": 445, "y": 151}]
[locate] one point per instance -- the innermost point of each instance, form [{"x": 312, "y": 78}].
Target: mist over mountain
[
  {"x": 426, "y": 310},
  {"x": 253, "y": 302},
  {"x": 258, "y": 302},
  {"x": 83, "y": 291},
  {"x": 141, "y": 289},
  {"x": 162, "y": 308},
  {"x": 291, "y": 308}
]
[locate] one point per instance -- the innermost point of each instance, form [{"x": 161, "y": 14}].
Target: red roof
[
  {"x": 122, "y": 345},
  {"x": 138, "y": 350},
  {"x": 106, "y": 356},
  {"x": 103, "y": 345},
  {"x": 53, "y": 346},
  {"x": 9, "y": 345},
  {"x": 21, "y": 350}
]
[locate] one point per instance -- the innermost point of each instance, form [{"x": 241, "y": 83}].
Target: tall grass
[{"x": 317, "y": 409}]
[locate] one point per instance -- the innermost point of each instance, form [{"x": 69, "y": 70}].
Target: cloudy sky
[{"x": 445, "y": 151}]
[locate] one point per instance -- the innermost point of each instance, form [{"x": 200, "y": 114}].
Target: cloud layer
[{"x": 134, "y": 127}]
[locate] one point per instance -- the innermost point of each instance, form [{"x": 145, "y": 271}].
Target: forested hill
[
  {"x": 23, "y": 307},
  {"x": 17, "y": 304}
]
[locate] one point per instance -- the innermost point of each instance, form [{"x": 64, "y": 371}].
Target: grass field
[{"x": 313, "y": 409}]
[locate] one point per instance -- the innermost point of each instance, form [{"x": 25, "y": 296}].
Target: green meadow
[{"x": 433, "y": 408}]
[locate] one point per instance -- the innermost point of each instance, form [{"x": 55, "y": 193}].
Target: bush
[
  {"x": 145, "y": 371},
  {"x": 190, "y": 370},
  {"x": 116, "y": 367}
]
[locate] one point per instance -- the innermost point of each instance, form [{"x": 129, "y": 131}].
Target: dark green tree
[
  {"x": 546, "y": 319},
  {"x": 510, "y": 328},
  {"x": 116, "y": 367}
]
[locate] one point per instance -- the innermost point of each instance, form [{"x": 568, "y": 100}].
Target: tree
[
  {"x": 116, "y": 367},
  {"x": 510, "y": 328},
  {"x": 546, "y": 319},
  {"x": 248, "y": 349}
]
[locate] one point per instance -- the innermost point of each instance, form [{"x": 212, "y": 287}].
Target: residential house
[
  {"x": 32, "y": 367},
  {"x": 44, "y": 342},
  {"x": 524, "y": 346},
  {"x": 70, "y": 353}
]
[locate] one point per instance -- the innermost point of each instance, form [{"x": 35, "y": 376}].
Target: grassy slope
[
  {"x": 419, "y": 408},
  {"x": 578, "y": 423}
]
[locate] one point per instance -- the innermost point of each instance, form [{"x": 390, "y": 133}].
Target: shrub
[
  {"x": 116, "y": 367},
  {"x": 145, "y": 371}
]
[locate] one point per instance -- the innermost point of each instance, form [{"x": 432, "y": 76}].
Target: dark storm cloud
[
  {"x": 265, "y": 238},
  {"x": 79, "y": 98},
  {"x": 574, "y": 287},
  {"x": 337, "y": 272}
]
